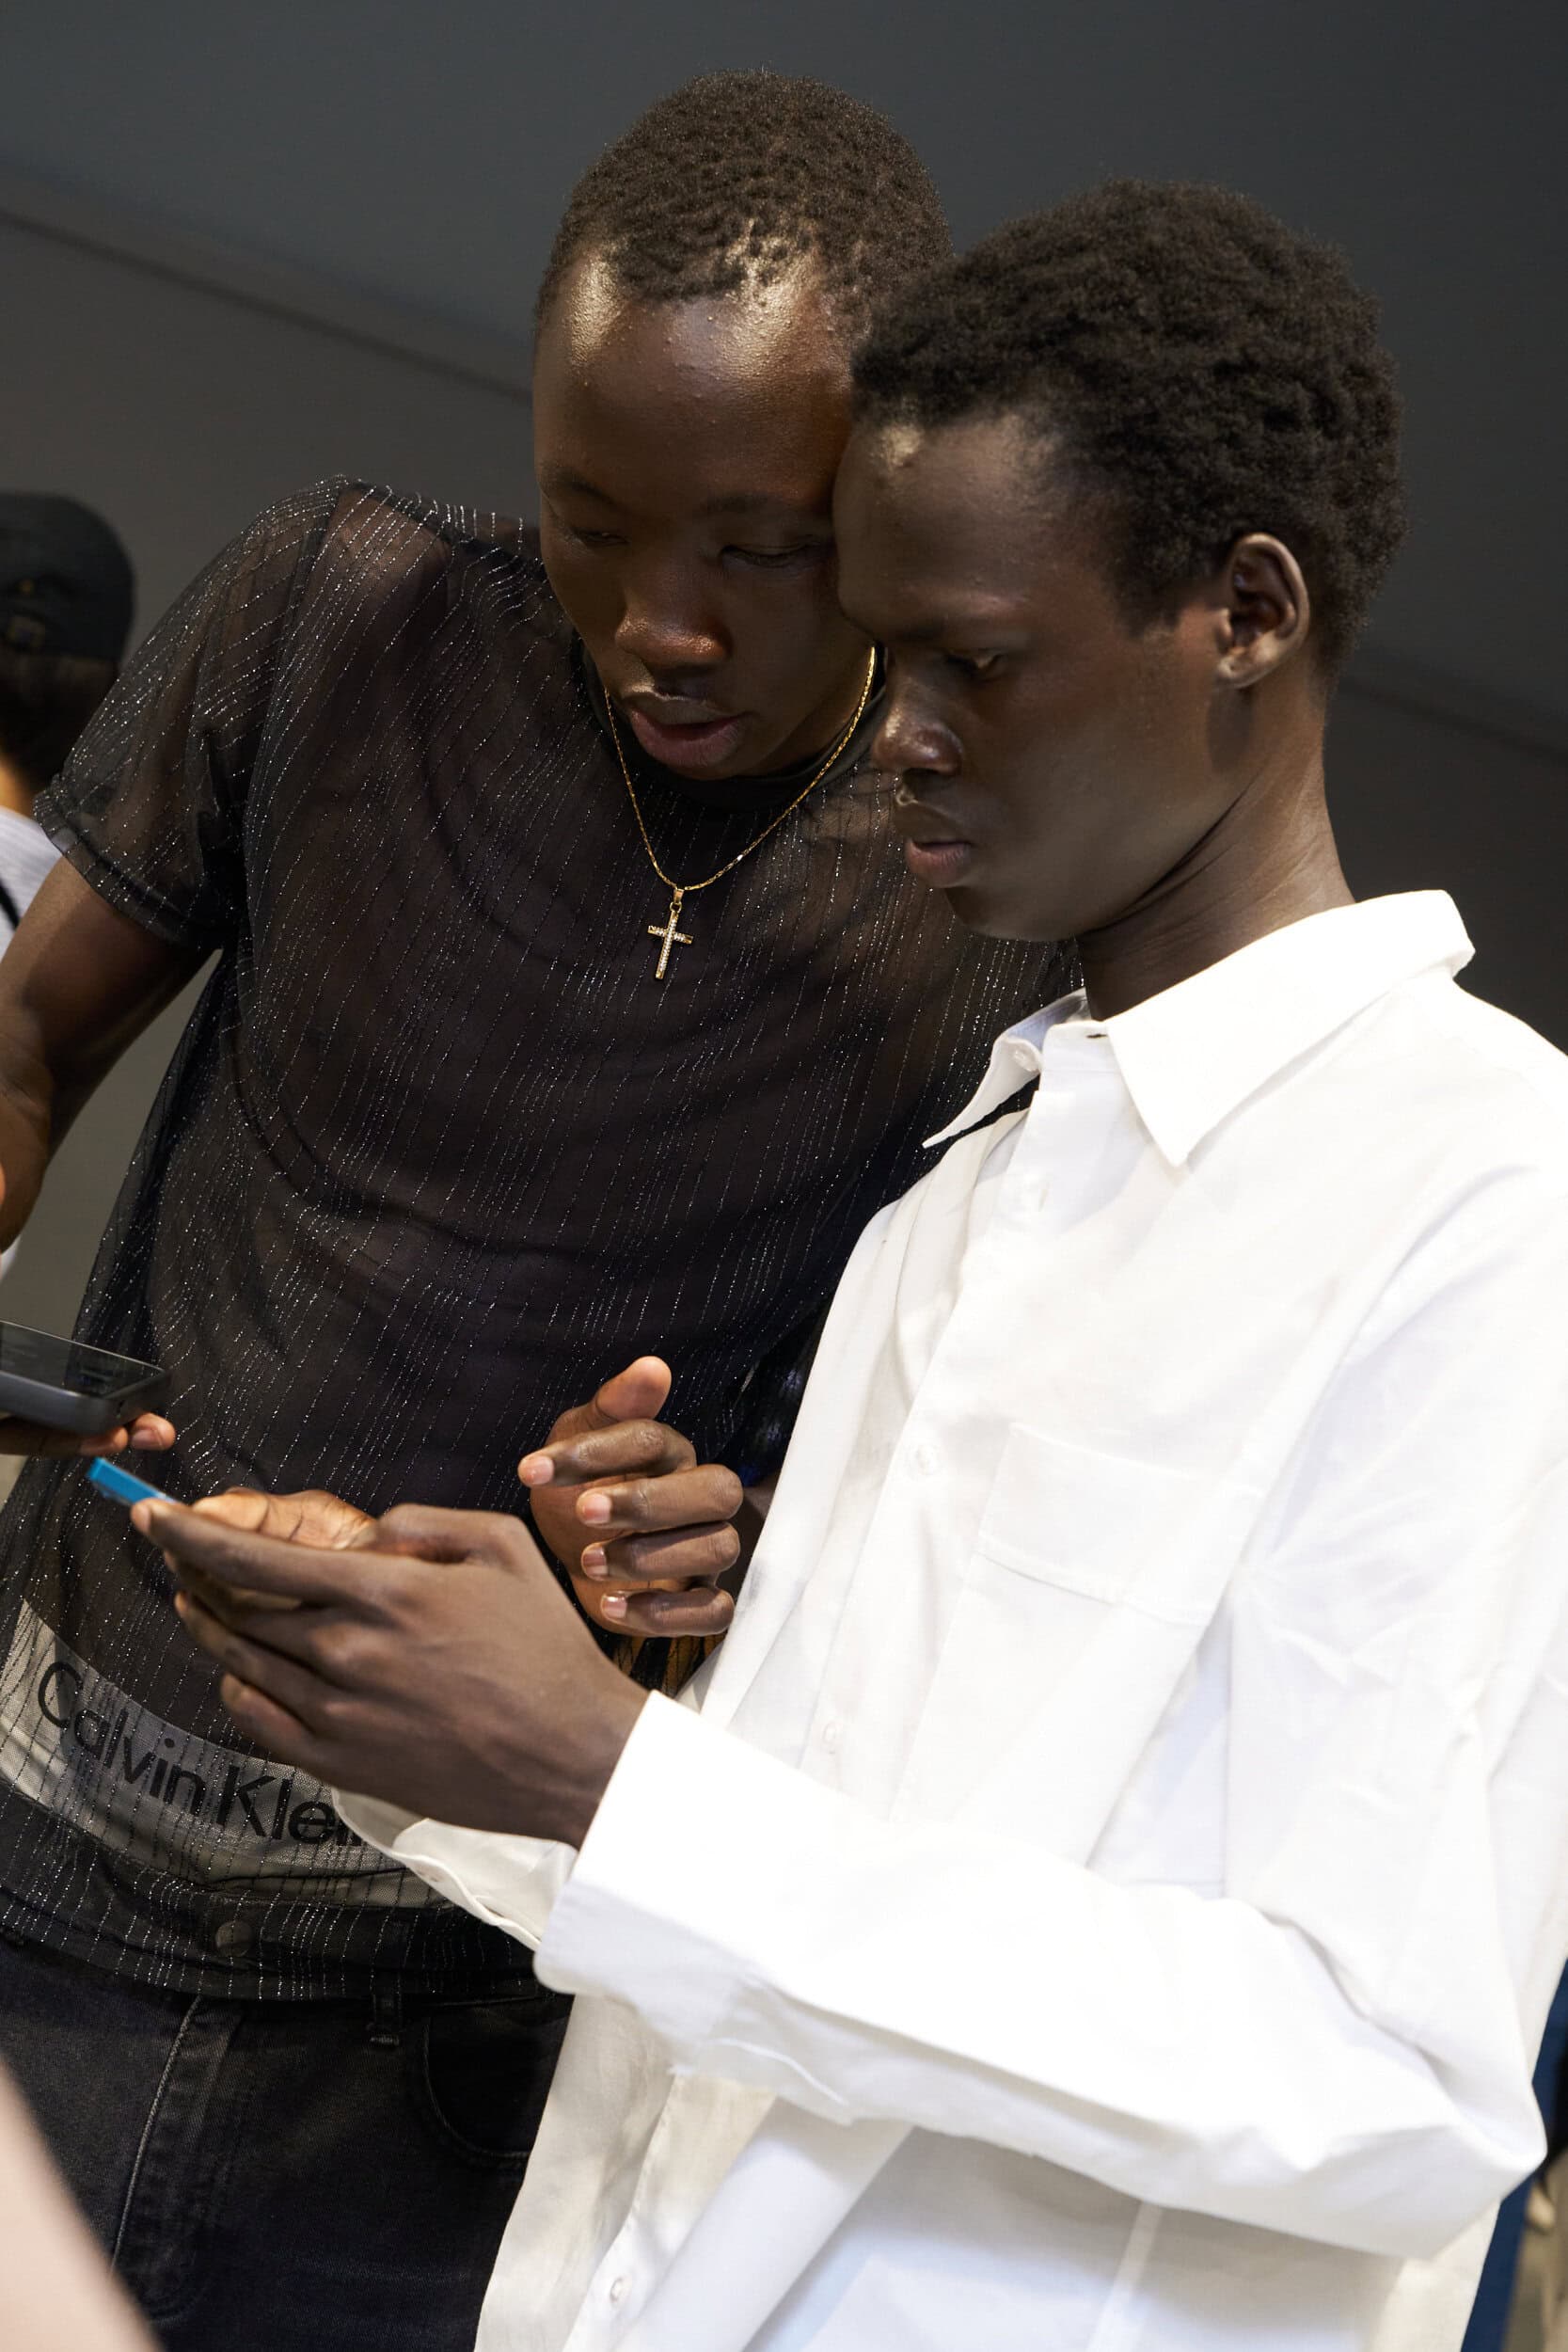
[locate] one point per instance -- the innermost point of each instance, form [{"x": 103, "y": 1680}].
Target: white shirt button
[
  {"x": 829, "y": 1738},
  {"x": 924, "y": 1458},
  {"x": 618, "y": 2288}
]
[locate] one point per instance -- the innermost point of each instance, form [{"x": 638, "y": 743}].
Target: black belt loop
[{"x": 385, "y": 2030}]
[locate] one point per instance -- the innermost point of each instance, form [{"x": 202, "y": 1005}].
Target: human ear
[{"x": 1267, "y": 609}]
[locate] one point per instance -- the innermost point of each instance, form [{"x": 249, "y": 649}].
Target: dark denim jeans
[{"x": 327, "y": 2176}]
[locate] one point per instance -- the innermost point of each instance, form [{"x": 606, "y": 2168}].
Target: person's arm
[
  {"x": 149, "y": 815},
  {"x": 59, "y": 2294},
  {"x": 1338, "y": 2046},
  {"x": 78, "y": 984}
]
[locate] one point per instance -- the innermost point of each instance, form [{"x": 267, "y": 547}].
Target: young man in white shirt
[{"x": 1106, "y": 1889}]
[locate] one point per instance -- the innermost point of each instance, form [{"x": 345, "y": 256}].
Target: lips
[
  {"x": 685, "y": 735},
  {"x": 933, "y": 851},
  {"x": 941, "y": 864}
]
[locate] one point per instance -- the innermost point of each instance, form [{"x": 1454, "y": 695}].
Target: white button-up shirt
[{"x": 1106, "y": 1890}]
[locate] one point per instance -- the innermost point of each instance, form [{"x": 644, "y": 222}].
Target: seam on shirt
[
  {"x": 1114, "y": 2329},
  {"x": 148, "y": 908}
]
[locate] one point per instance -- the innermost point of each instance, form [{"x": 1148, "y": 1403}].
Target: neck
[
  {"x": 1270, "y": 861},
  {"x": 15, "y": 791}
]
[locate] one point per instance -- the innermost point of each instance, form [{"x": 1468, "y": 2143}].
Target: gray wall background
[{"x": 236, "y": 254}]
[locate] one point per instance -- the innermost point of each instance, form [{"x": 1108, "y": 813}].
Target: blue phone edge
[{"x": 122, "y": 1486}]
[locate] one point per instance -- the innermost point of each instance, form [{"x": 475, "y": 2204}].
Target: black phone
[{"x": 67, "y": 1386}]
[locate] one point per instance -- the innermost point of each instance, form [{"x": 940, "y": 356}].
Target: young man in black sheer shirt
[{"x": 570, "y": 998}]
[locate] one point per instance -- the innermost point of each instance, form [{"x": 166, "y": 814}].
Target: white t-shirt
[{"x": 27, "y": 854}]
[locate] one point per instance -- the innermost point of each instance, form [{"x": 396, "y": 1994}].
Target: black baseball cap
[{"x": 66, "y": 582}]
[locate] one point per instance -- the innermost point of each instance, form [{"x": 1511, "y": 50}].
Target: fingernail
[
  {"x": 536, "y": 1469},
  {"x": 614, "y": 1605},
  {"x": 594, "y": 1562},
  {"x": 595, "y": 1509}
]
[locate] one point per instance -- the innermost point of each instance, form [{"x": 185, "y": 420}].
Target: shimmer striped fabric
[{"x": 435, "y": 1155}]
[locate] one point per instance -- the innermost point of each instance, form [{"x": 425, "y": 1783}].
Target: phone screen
[{"x": 65, "y": 1363}]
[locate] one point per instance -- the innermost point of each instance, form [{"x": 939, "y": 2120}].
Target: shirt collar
[{"x": 1195, "y": 1053}]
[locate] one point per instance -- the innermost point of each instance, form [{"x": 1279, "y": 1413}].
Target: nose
[
  {"x": 666, "y": 626},
  {"x": 908, "y": 741}
]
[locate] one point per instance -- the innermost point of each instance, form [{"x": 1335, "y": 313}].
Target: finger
[
  {"x": 335, "y": 1649},
  {"x": 272, "y": 1728},
  {"x": 682, "y": 1498},
  {"x": 151, "y": 1434},
  {"x": 33, "y": 1437},
  {"x": 636, "y": 1393},
  {"x": 630, "y": 1446},
  {"x": 284, "y": 1681},
  {"x": 237, "y": 1506},
  {"x": 702, "y": 1610},
  {"x": 683, "y": 1554},
  {"x": 225, "y": 1600},
  {"x": 422, "y": 1532},
  {"x": 319, "y": 1520},
  {"x": 232, "y": 1556}
]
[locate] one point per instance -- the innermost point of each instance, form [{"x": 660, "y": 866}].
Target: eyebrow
[
  {"x": 562, "y": 477},
  {"x": 747, "y": 502},
  {"x": 729, "y": 503}
]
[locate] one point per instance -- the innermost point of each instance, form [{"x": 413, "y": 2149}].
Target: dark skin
[
  {"x": 686, "y": 453},
  {"x": 1156, "y": 788},
  {"x": 654, "y": 1540},
  {"x": 78, "y": 984},
  {"x": 1155, "y": 792}
]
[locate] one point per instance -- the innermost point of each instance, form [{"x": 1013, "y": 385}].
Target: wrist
[{"x": 602, "y": 1736}]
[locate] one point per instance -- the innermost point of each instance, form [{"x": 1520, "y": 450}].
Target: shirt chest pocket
[{"x": 1092, "y": 1579}]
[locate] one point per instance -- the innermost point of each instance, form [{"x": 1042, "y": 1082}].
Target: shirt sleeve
[
  {"x": 509, "y": 1883},
  {"x": 1338, "y": 2045},
  {"x": 151, "y": 806}
]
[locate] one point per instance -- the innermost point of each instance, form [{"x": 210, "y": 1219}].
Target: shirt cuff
[
  {"x": 509, "y": 1883},
  {"x": 672, "y": 1907}
]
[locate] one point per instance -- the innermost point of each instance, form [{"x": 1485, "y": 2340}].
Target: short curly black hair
[
  {"x": 736, "y": 178},
  {"x": 1203, "y": 369}
]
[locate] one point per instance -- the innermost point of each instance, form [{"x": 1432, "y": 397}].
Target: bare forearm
[
  {"x": 23, "y": 1154},
  {"x": 77, "y": 984}
]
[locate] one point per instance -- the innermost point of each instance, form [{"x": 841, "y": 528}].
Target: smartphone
[
  {"x": 122, "y": 1486},
  {"x": 66, "y": 1386}
]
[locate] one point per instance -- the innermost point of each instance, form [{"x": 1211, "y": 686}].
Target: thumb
[{"x": 634, "y": 1394}]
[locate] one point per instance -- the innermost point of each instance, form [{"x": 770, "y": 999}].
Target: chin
[{"x": 991, "y": 916}]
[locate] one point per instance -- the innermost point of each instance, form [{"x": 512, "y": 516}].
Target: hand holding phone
[
  {"x": 58, "y": 1396},
  {"x": 321, "y": 1521}
]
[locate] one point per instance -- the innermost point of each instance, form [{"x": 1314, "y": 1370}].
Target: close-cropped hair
[
  {"x": 737, "y": 179},
  {"x": 46, "y": 700},
  {"x": 1200, "y": 368}
]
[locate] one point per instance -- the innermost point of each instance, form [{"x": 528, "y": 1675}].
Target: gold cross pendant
[{"x": 667, "y": 933}]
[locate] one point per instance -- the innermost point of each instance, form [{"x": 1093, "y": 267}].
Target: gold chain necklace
[{"x": 666, "y": 932}]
